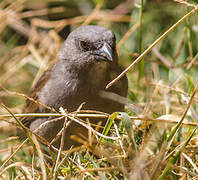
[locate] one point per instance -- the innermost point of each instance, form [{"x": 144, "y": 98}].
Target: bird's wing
[{"x": 31, "y": 105}]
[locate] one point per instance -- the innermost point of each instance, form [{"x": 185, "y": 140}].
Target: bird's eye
[{"x": 85, "y": 46}]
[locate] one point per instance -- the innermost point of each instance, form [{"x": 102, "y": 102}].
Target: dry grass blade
[
  {"x": 31, "y": 99},
  {"x": 174, "y": 157},
  {"x": 190, "y": 161},
  {"x": 41, "y": 12},
  {"x": 16, "y": 164},
  {"x": 192, "y": 61},
  {"x": 41, "y": 157},
  {"x": 183, "y": 116},
  {"x": 12, "y": 155},
  {"x": 162, "y": 58},
  {"x": 120, "y": 142},
  {"x": 126, "y": 36},
  {"x": 93, "y": 14},
  {"x": 62, "y": 142},
  {"x": 80, "y": 167},
  {"x": 91, "y": 129},
  {"x": 60, "y": 24},
  {"x": 158, "y": 120},
  {"x": 185, "y": 3}
]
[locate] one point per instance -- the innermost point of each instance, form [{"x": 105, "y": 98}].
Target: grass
[{"x": 157, "y": 135}]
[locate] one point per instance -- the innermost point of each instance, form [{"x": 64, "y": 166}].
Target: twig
[{"x": 99, "y": 116}]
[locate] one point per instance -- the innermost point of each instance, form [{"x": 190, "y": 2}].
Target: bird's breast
[{"x": 97, "y": 74}]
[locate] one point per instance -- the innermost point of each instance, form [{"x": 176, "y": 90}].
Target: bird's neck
[{"x": 92, "y": 75}]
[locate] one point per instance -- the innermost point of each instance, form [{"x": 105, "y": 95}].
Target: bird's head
[{"x": 89, "y": 45}]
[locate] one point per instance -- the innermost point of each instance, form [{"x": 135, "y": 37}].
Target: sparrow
[{"x": 88, "y": 61}]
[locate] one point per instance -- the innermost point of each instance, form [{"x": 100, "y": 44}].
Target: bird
[{"x": 87, "y": 62}]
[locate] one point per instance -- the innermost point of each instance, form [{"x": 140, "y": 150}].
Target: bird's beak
[{"x": 105, "y": 52}]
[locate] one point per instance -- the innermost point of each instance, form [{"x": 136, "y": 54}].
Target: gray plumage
[{"x": 87, "y": 63}]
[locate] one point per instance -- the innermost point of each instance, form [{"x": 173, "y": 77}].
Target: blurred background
[{"x": 32, "y": 33}]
